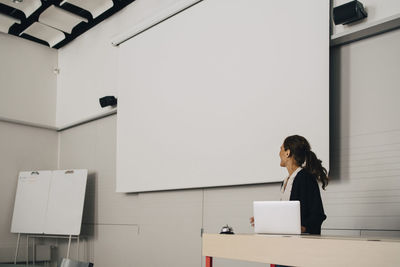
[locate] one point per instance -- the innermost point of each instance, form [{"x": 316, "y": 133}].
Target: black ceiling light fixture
[{"x": 349, "y": 13}]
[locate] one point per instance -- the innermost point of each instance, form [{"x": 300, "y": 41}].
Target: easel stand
[{"x": 69, "y": 237}]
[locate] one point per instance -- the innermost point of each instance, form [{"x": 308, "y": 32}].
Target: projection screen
[{"x": 206, "y": 97}]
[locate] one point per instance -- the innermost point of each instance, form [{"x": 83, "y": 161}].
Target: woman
[{"x": 305, "y": 171}]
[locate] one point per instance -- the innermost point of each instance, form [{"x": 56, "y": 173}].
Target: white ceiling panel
[
  {"x": 56, "y": 19},
  {"x": 6, "y": 22},
  {"x": 27, "y": 6},
  {"x": 43, "y": 32},
  {"x": 95, "y": 7},
  {"x": 61, "y": 19}
]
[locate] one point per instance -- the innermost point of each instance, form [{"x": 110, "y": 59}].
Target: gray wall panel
[
  {"x": 22, "y": 148},
  {"x": 92, "y": 146},
  {"x": 170, "y": 227},
  {"x": 116, "y": 245},
  {"x": 28, "y": 81},
  {"x": 365, "y": 135}
]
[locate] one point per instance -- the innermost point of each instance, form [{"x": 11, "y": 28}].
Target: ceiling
[{"x": 54, "y": 23}]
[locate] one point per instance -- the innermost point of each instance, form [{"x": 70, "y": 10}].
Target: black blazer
[{"x": 305, "y": 188}]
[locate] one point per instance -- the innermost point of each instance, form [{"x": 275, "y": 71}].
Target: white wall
[
  {"x": 359, "y": 197},
  {"x": 154, "y": 229},
  {"x": 363, "y": 198},
  {"x": 88, "y": 65},
  {"x": 27, "y": 81},
  {"x": 22, "y": 148},
  {"x": 365, "y": 135},
  {"x": 376, "y": 9},
  {"x": 27, "y": 94}
]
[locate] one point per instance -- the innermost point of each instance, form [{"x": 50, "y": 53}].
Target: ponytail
[
  {"x": 314, "y": 166},
  {"x": 300, "y": 149}
]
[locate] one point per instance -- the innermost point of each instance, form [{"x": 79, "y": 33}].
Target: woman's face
[{"x": 284, "y": 155}]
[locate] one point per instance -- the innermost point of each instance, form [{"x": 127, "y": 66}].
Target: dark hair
[{"x": 300, "y": 149}]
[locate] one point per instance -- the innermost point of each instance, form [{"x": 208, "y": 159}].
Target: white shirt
[{"x": 285, "y": 192}]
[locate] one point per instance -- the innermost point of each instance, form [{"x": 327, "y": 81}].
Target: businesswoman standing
[{"x": 305, "y": 171}]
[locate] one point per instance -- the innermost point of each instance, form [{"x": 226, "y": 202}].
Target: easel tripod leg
[
  {"x": 33, "y": 251},
  {"x": 27, "y": 249},
  {"x": 69, "y": 246},
  {"x": 77, "y": 248},
  {"x": 16, "y": 250}
]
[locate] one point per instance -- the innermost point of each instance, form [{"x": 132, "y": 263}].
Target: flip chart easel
[{"x": 49, "y": 203}]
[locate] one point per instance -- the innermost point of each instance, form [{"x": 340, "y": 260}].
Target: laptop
[{"x": 277, "y": 217}]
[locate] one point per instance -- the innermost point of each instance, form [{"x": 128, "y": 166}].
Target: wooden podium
[{"x": 302, "y": 250}]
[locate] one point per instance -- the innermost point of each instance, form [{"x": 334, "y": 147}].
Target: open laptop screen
[{"x": 277, "y": 217}]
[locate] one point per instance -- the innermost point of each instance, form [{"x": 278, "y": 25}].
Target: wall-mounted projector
[
  {"x": 349, "y": 12},
  {"x": 108, "y": 101}
]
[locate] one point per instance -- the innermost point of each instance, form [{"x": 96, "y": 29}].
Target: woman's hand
[{"x": 252, "y": 221}]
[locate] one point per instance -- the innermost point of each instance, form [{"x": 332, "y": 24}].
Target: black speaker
[
  {"x": 108, "y": 101},
  {"x": 349, "y": 12}
]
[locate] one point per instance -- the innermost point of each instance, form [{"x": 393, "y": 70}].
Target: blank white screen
[{"x": 207, "y": 96}]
